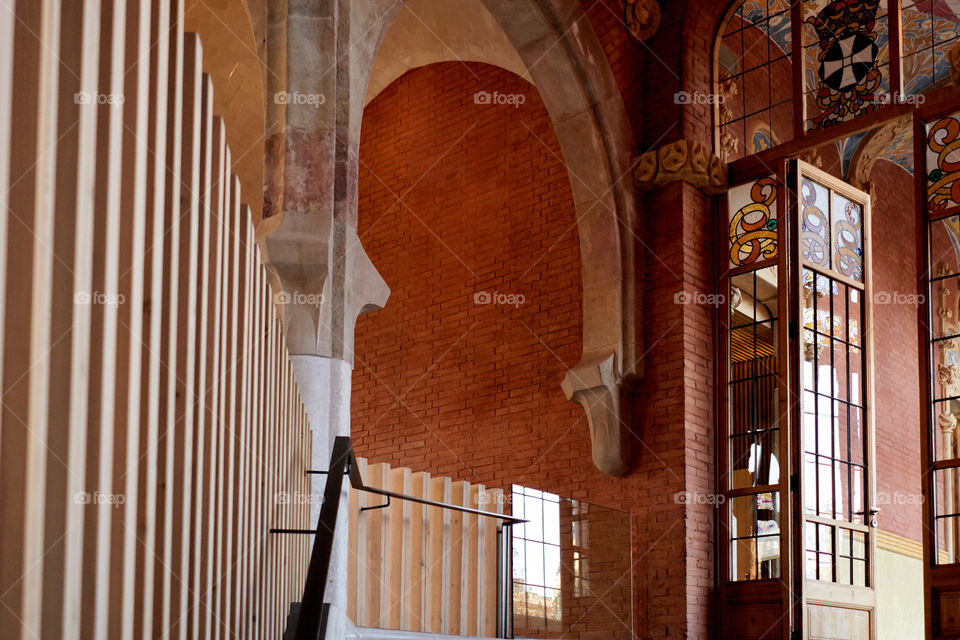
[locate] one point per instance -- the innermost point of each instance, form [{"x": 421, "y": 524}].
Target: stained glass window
[
  {"x": 930, "y": 28},
  {"x": 943, "y": 164},
  {"x": 755, "y": 81},
  {"x": 753, "y": 221},
  {"x": 831, "y": 230},
  {"x": 846, "y": 56},
  {"x": 845, "y": 70}
]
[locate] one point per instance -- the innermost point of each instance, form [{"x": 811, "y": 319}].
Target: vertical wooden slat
[
  {"x": 133, "y": 201},
  {"x": 453, "y": 582},
  {"x": 217, "y": 385},
  {"x": 397, "y": 549},
  {"x": 488, "y": 564},
  {"x": 249, "y": 372},
  {"x": 184, "y": 304},
  {"x": 471, "y": 558},
  {"x": 354, "y": 546},
  {"x": 250, "y": 521},
  {"x": 437, "y": 559},
  {"x": 147, "y": 595},
  {"x": 27, "y": 378},
  {"x": 29, "y": 108},
  {"x": 69, "y": 539},
  {"x": 105, "y": 318},
  {"x": 415, "y": 584},
  {"x": 204, "y": 428},
  {"x": 232, "y": 427},
  {"x": 362, "y": 536},
  {"x": 168, "y": 236}
]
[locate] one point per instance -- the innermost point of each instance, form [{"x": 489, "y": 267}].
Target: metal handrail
[{"x": 311, "y": 621}]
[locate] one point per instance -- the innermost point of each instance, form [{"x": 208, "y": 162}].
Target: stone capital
[
  {"x": 681, "y": 160},
  {"x": 595, "y": 384}
]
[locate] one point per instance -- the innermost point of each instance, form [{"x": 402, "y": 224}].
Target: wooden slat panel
[
  {"x": 168, "y": 235},
  {"x": 437, "y": 559},
  {"x": 216, "y": 387},
  {"x": 488, "y": 559},
  {"x": 354, "y": 546},
  {"x": 205, "y": 452},
  {"x": 71, "y": 559},
  {"x": 130, "y": 285},
  {"x": 453, "y": 583},
  {"x": 397, "y": 550},
  {"x": 105, "y": 319},
  {"x": 146, "y": 609},
  {"x": 372, "y": 565},
  {"x": 174, "y": 387},
  {"x": 184, "y": 232},
  {"x": 415, "y": 583},
  {"x": 471, "y": 560},
  {"x": 231, "y": 428}
]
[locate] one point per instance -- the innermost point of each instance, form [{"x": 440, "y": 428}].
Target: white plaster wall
[{"x": 899, "y": 596}]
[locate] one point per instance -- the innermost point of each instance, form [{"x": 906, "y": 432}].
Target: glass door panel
[{"x": 834, "y": 442}]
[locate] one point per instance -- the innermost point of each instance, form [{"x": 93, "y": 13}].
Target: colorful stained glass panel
[
  {"x": 943, "y": 163},
  {"x": 815, "y": 222},
  {"x": 930, "y": 29},
  {"x": 846, "y": 59},
  {"x": 847, "y": 237},
  {"x": 753, "y": 221},
  {"x": 755, "y": 79}
]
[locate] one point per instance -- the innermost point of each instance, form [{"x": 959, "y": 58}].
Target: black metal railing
[{"x": 310, "y": 623}]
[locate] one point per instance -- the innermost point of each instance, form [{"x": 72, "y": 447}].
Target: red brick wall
[
  {"x": 441, "y": 383},
  {"x": 896, "y": 368},
  {"x": 473, "y": 392}
]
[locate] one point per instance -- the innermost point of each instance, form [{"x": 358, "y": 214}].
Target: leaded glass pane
[
  {"x": 943, "y": 163},
  {"x": 753, "y": 219},
  {"x": 847, "y": 237},
  {"x": 846, "y": 60}
]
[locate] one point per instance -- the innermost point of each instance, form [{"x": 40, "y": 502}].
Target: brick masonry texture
[{"x": 457, "y": 198}]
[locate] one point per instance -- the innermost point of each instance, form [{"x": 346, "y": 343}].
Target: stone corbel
[
  {"x": 366, "y": 290},
  {"x": 595, "y": 385},
  {"x": 318, "y": 304},
  {"x": 297, "y": 258},
  {"x": 681, "y": 160}
]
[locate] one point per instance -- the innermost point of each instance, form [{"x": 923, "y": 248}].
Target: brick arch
[{"x": 570, "y": 69}]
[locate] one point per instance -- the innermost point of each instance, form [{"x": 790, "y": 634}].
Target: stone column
[{"x": 320, "y": 274}]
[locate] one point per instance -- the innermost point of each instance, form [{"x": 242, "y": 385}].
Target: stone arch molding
[
  {"x": 230, "y": 59},
  {"x": 315, "y": 243}
]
